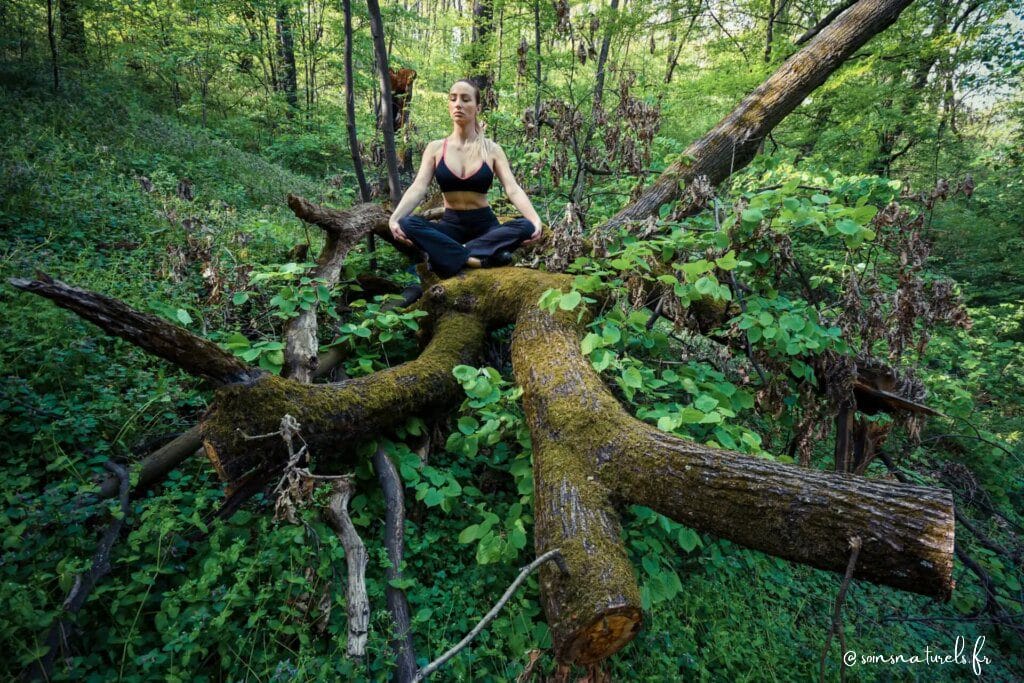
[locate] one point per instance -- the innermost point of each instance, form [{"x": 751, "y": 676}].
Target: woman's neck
[{"x": 463, "y": 133}]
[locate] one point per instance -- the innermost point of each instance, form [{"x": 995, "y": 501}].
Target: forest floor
[{"x": 92, "y": 195}]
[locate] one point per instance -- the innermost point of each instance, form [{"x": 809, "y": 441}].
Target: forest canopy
[{"x": 750, "y": 409}]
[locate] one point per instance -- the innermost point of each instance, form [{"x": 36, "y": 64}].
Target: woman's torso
[{"x": 465, "y": 170}]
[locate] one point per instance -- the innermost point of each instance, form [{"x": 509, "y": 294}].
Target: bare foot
[{"x": 474, "y": 262}]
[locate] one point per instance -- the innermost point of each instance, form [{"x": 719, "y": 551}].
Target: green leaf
[
  {"x": 688, "y": 539},
  {"x": 183, "y": 317},
  {"x": 705, "y": 285},
  {"x": 821, "y": 199},
  {"x": 611, "y": 334},
  {"x": 570, "y": 301},
  {"x": 631, "y": 377},
  {"x": 667, "y": 423},
  {"x": 690, "y": 415},
  {"x": 753, "y": 216},
  {"x": 590, "y": 342},
  {"x": 464, "y": 372},
  {"x": 792, "y": 322},
  {"x": 468, "y": 425},
  {"x": 847, "y": 227},
  {"x": 470, "y": 534},
  {"x": 863, "y": 214},
  {"x": 706, "y": 403},
  {"x": 240, "y": 298},
  {"x": 727, "y": 262}
]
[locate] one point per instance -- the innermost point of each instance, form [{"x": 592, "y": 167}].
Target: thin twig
[
  {"x": 551, "y": 555},
  {"x": 837, "y": 613}
]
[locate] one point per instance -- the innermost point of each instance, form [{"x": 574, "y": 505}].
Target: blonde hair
[{"x": 483, "y": 146}]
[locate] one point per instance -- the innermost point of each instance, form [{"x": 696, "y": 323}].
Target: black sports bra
[{"x": 480, "y": 181}]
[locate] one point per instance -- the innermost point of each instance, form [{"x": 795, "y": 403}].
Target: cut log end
[{"x": 605, "y": 635}]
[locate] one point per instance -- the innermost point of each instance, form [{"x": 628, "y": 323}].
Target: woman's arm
[
  {"x": 414, "y": 194},
  {"x": 515, "y": 193}
]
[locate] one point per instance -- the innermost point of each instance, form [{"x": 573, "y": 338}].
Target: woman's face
[{"x": 462, "y": 105}]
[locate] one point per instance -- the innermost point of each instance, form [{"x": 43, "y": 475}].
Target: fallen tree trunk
[
  {"x": 734, "y": 141},
  {"x": 193, "y": 354},
  {"x": 591, "y": 458},
  {"x": 590, "y": 454},
  {"x": 155, "y": 466},
  {"x": 334, "y": 417}
]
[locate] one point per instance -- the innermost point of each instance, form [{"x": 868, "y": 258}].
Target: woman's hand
[
  {"x": 397, "y": 233},
  {"x": 537, "y": 232}
]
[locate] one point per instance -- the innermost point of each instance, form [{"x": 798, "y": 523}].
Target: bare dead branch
[
  {"x": 550, "y": 556},
  {"x": 191, "y": 353},
  {"x": 357, "y": 603},
  {"x": 394, "y": 542}
]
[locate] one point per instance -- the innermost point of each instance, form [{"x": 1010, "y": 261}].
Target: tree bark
[
  {"x": 825, "y": 21},
  {"x": 51, "y": 35},
  {"x": 394, "y": 543},
  {"x": 302, "y": 348},
  {"x": 193, "y": 354},
  {"x": 286, "y": 52},
  {"x": 591, "y": 458},
  {"x": 584, "y": 466},
  {"x": 579, "y": 184},
  {"x": 536, "y": 76},
  {"x": 733, "y": 142},
  {"x": 479, "y": 52},
  {"x": 357, "y": 603},
  {"x": 353, "y": 138},
  {"x": 158, "y": 464},
  {"x": 335, "y": 416},
  {"x": 387, "y": 116}
]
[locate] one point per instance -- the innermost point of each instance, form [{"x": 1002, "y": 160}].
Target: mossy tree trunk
[
  {"x": 590, "y": 458},
  {"x": 734, "y": 141}
]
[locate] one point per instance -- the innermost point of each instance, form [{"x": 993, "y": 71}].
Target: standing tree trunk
[
  {"x": 54, "y": 52},
  {"x": 733, "y": 142},
  {"x": 773, "y": 15},
  {"x": 286, "y": 52},
  {"x": 387, "y": 114},
  {"x": 536, "y": 78},
  {"x": 350, "y": 108},
  {"x": 479, "y": 52},
  {"x": 579, "y": 184}
]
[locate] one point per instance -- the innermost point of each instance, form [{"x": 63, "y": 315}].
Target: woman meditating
[{"x": 464, "y": 163}]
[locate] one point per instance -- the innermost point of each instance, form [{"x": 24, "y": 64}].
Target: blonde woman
[{"x": 465, "y": 164}]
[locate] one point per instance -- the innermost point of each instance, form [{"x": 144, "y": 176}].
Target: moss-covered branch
[
  {"x": 334, "y": 417},
  {"x": 590, "y": 453}
]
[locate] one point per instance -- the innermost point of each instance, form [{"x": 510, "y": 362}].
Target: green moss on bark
[{"x": 333, "y": 417}]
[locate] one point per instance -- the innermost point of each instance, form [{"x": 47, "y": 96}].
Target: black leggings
[{"x": 461, "y": 234}]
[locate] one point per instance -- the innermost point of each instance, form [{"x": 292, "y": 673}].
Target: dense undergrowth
[{"x": 244, "y": 602}]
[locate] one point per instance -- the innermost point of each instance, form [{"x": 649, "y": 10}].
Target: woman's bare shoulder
[
  {"x": 432, "y": 149},
  {"x": 497, "y": 153}
]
